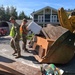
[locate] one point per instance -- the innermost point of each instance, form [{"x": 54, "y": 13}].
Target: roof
[
  {"x": 20, "y": 21},
  {"x": 35, "y": 12}
]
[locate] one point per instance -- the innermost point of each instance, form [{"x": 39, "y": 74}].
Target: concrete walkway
[{"x": 27, "y": 65}]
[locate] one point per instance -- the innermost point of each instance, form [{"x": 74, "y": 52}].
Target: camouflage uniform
[
  {"x": 24, "y": 39},
  {"x": 15, "y": 40}
]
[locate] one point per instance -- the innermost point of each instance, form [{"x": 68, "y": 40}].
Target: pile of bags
[{"x": 51, "y": 69}]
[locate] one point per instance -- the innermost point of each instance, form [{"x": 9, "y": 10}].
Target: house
[{"x": 46, "y": 15}]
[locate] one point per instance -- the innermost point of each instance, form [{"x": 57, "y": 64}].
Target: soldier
[
  {"x": 23, "y": 32},
  {"x": 15, "y": 33}
]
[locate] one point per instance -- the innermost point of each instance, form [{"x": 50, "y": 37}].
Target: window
[
  {"x": 47, "y": 18},
  {"x": 40, "y": 18},
  {"x": 54, "y": 18},
  {"x": 3, "y": 24}
]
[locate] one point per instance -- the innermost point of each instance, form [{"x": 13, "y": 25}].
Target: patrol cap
[
  {"x": 12, "y": 18},
  {"x": 25, "y": 20}
]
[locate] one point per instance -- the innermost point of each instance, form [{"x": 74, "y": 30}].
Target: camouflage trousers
[
  {"x": 15, "y": 45},
  {"x": 24, "y": 39}
]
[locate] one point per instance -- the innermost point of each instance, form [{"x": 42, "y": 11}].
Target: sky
[{"x": 28, "y": 6}]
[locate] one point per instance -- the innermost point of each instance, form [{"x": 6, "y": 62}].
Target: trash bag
[{"x": 51, "y": 69}]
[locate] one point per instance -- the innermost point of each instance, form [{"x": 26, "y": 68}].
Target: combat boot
[
  {"x": 26, "y": 50},
  {"x": 19, "y": 55},
  {"x": 14, "y": 53}
]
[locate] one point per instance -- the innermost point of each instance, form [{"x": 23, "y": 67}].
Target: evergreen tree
[
  {"x": 2, "y": 13},
  {"x": 13, "y": 12},
  {"x": 7, "y": 13},
  {"x": 22, "y": 15}
]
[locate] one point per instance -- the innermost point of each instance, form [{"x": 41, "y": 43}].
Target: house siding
[{"x": 46, "y": 16}]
